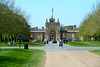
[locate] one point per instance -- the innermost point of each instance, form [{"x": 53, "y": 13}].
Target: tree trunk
[
  {"x": 11, "y": 38},
  {"x": 90, "y": 38},
  {"x": 4, "y": 39},
  {"x": 0, "y": 38},
  {"x": 16, "y": 39},
  {"x": 99, "y": 37},
  {"x": 93, "y": 38},
  {"x": 8, "y": 38},
  {"x": 87, "y": 38}
]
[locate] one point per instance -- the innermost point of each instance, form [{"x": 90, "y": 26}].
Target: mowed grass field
[
  {"x": 95, "y": 51},
  {"x": 85, "y": 44},
  {"x": 21, "y": 58},
  {"x": 30, "y": 44}
]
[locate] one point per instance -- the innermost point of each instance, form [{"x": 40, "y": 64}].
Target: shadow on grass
[
  {"x": 5, "y": 59},
  {"x": 2, "y": 49}
]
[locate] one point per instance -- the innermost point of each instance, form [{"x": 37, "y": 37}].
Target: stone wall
[
  {"x": 38, "y": 36},
  {"x": 70, "y": 35}
]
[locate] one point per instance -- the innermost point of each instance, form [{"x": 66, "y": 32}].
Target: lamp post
[{"x": 19, "y": 39}]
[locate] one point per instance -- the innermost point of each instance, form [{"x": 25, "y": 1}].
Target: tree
[
  {"x": 90, "y": 27},
  {"x": 68, "y": 27},
  {"x": 12, "y": 24}
]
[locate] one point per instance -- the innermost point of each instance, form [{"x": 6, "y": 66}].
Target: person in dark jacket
[
  {"x": 66, "y": 42},
  {"x": 47, "y": 41},
  {"x": 5, "y": 40},
  {"x": 61, "y": 44}
]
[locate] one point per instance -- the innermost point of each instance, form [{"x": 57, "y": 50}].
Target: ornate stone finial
[
  {"x": 42, "y": 28},
  {"x": 58, "y": 19},
  {"x": 46, "y": 20},
  {"x": 52, "y": 13}
]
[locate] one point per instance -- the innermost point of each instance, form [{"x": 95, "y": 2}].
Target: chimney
[
  {"x": 36, "y": 28},
  {"x": 74, "y": 27},
  {"x": 61, "y": 27},
  {"x": 42, "y": 28}
]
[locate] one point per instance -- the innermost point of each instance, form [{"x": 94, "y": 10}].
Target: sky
[{"x": 69, "y": 12}]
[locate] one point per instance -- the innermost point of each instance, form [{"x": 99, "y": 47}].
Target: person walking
[
  {"x": 5, "y": 40},
  {"x": 59, "y": 40},
  {"x": 66, "y": 42},
  {"x": 47, "y": 41},
  {"x": 61, "y": 44},
  {"x": 44, "y": 41}
]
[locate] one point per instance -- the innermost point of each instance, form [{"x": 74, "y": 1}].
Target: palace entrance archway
[{"x": 52, "y": 34}]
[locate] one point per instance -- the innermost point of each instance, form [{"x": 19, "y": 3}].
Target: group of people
[
  {"x": 13, "y": 43},
  {"x": 45, "y": 40},
  {"x": 63, "y": 41},
  {"x": 60, "y": 41}
]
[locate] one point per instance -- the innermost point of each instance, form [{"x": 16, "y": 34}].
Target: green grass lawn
[
  {"x": 21, "y": 58},
  {"x": 30, "y": 44},
  {"x": 85, "y": 44},
  {"x": 95, "y": 51}
]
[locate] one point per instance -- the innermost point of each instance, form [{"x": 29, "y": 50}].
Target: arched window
[{"x": 52, "y": 34}]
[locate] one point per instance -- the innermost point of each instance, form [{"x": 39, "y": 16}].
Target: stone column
[{"x": 41, "y": 36}]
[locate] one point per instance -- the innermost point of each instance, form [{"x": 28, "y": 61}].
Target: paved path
[
  {"x": 71, "y": 59},
  {"x": 55, "y": 47}
]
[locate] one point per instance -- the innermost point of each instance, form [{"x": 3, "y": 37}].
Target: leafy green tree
[
  {"x": 12, "y": 24},
  {"x": 68, "y": 27},
  {"x": 90, "y": 27}
]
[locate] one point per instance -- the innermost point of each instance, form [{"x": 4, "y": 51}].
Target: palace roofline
[
  {"x": 38, "y": 31},
  {"x": 43, "y": 31}
]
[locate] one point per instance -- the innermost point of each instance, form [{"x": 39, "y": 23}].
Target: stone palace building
[{"x": 53, "y": 30}]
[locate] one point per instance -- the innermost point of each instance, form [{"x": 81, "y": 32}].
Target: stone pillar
[
  {"x": 36, "y": 28},
  {"x": 63, "y": 35},
  {"x": 73, "y": 36},
  {"x": 41, "y": 36},
  {"x": 56, "y": 35},
  {"x": 32, "y": 35}
]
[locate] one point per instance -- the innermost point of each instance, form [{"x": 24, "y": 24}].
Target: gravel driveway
[
  {"x": 69, "y": 56},
  {"x": 71, "y": 59}
]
